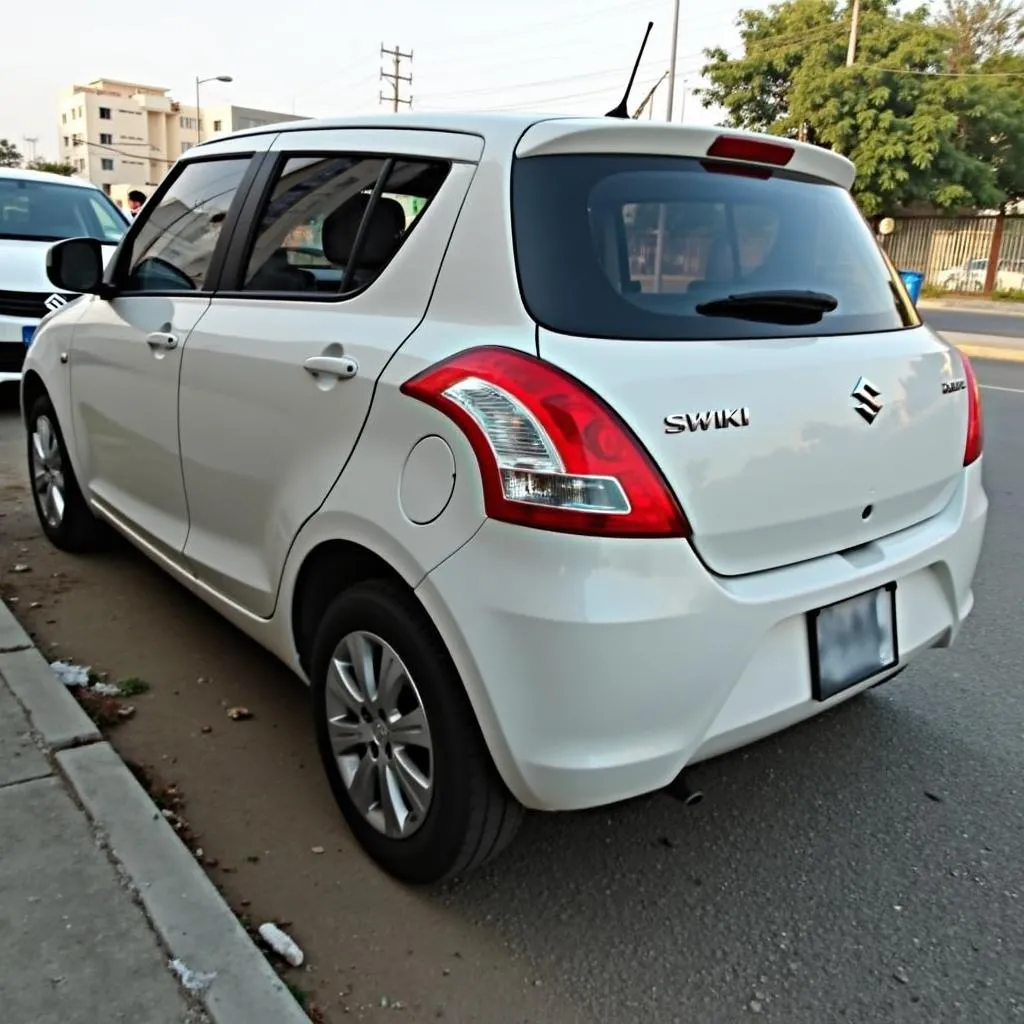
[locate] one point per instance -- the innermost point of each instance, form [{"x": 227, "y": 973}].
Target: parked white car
[
  {"x": 971, "y": 276},
  {"x": 539, "y": 533},
  {"x": 36, "y": 210}
]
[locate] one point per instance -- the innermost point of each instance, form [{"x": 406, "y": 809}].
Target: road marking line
[{"x": 994, "y": 387}]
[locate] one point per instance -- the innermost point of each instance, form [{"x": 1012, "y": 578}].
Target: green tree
[
  {"x": 912, "y": 128},
  {"x": 52, "y": 167},
  {"x": 9, "y": 155},
  {"x": 982, "y": 30}
]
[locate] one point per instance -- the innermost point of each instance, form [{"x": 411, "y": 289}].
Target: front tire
[
  {"x": 399, "y": 742},
  {"x": 63, "y": 512}
]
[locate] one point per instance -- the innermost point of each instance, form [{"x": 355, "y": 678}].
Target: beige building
[{"x": 125, "y": 135}]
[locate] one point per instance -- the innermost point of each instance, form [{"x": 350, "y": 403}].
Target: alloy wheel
[
  {"x": 379, "y": 735},
  {"x": 48, "y": 472}
]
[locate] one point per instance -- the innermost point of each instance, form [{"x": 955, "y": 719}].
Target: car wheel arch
[{"x": 326, "y": 570}]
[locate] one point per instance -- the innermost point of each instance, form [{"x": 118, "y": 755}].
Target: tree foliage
[
  {"x": 52, "y": 167},
  {"x": 932, "y": 109},
  {"x": 10, "y": 156}
]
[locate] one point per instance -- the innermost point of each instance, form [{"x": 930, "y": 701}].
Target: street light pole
[{"x": 199, "y": 113}]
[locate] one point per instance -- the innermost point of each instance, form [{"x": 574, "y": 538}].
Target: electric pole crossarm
[{"x": 395, "y": 77}]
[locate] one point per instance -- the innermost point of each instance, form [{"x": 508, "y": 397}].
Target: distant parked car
[
  {"x": 36, "y": 210},
  {"x": 970, "y": 276}
]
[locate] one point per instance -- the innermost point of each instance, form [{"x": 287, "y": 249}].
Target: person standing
[{"x": 135, "y": 200}]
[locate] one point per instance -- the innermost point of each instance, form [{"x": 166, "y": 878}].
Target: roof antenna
[{"x": 621, "y": 110}]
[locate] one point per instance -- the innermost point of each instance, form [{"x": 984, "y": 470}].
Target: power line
[{"x": 396, "y": 77}]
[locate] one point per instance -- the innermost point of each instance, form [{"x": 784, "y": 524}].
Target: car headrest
[{"x": 383, "y": 231}]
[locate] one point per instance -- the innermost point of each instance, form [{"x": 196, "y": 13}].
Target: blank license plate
[
  {"x": 852, "y": 641},
  {"x": 26, "y": 333}
]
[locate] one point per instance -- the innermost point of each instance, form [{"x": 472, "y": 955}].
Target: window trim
[
  {"x": 237, "y": 260},
  {"x": 117, "y": 269}
]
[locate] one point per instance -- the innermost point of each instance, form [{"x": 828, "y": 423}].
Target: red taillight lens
[
  {"x": 975, "y": 426},
  {"x": 756, "y": 151},
  {"x": 552, "y": 454}
]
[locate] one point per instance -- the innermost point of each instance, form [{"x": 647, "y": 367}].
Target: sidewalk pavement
[{"x": 98, "y": 896}]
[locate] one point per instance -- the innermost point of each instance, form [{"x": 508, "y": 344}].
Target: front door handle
[
  {"x": 162, "y": 340},
  {"x": 341, "y": 367}
]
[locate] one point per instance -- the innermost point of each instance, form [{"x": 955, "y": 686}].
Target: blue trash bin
[{"x": 912, "y": 281}]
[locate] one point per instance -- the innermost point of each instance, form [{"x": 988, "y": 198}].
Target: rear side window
[
  {"x": 630, "y": 247},
  {"x": 325, "y": 232}
]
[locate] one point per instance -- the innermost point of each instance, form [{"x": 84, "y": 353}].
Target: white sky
[{"x": 322, "y": 57}]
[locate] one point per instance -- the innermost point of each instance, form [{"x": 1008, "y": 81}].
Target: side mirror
[{"x": 76, "y": 265}]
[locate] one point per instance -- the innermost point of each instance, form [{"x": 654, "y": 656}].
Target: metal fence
[{"x": 961, "y": 254}]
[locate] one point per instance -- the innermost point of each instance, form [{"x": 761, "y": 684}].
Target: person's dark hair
[{"x": 136, "y": 196}]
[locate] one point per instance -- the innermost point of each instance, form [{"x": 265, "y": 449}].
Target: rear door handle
[
  {"x": 341, "y": 367},
  {"x": 162, "y": 340}
]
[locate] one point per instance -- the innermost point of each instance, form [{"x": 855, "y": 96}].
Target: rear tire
[
  {"x": 63, "y": 512},
  {"x": 407, "y": 766}
]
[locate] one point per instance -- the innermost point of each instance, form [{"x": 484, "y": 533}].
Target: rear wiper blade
[{"x": 781, "y": 306}]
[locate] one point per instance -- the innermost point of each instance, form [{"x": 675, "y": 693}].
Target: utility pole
[
  {"x": 395, "y": 77},
  {"x": 672, "y": 60},
  {"x": 851, "y": 49},
  {"x": 31, "y": 140},
  {"x": 659, "y": 248}
]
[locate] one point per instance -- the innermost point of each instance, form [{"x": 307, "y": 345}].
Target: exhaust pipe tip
[{"x": 679, "y": 789}]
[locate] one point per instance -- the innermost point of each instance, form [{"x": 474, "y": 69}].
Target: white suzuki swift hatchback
[{"x": 556, "y": 454}]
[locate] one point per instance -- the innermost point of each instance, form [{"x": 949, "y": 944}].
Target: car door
[
  {"x": 126, "y": 354},
  {"x": 332, "y": 275}
]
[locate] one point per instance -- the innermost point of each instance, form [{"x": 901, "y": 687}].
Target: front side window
[
  {"x": 321, "y": 206},
  {"x": 46, "y": 211},
  {"x": 674, "y": 248},
  {"x": 176, "y": 242}
]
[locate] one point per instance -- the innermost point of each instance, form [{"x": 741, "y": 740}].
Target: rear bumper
[{"x": 599, "y": 669}]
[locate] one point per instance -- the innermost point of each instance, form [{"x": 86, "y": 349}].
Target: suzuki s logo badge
[
  {"x": 55, "y": 302},
  {"x": 719, "y": 419},
  {"x": 866, "y": 400},
  {"x": 951, "y": 386}
]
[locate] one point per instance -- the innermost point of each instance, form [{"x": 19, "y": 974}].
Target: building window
[
  {"x": 217, "y": 126},
  {"x": 106, "y": 189},
  {"x": 188, "y": 122},
  {"x": 106, "y": 139},
  {"x": 66, "y": 141},
  {"x": 81, "y": 164},
  {"x": 63, "y": 118},
  {"x": 107, "y": 164},
  {"x": 104, "y": 113}
]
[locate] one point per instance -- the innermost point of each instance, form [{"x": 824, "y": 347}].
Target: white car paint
[
  {"x": 597, "y": 668},
  {"x": 23, "y": 264}
]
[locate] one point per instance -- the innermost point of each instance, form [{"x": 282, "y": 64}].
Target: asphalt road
[
  {"x": 983, "y": 320},
  {"x": 865, "y": 867}
]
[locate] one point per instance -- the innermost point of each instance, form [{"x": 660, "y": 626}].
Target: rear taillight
[
  {"x": 975, "y": 427},
  {"x": 552, "y": 454},
  {"x": 756, "y": 151}
]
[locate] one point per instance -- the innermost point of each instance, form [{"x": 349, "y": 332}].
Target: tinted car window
[
  {"x": 49, "y": 211},
  {"x": 321, "y": 206},
  {"x": 177, "y": 239},
  {"x": 630, "y": 246}
]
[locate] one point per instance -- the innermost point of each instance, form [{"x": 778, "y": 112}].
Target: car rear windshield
[
  {"x": 46, "y": 211},
  {"x": 653, "y": 248}
]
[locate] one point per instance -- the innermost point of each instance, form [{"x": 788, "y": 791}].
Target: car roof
[
  {"x": 521, "y": 133},
  {"x": 23, "y": 174}
]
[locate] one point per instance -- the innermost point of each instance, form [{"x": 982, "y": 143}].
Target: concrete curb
[{"x": 182, "y": 904}]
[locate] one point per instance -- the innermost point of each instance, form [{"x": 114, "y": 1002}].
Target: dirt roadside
[{"x": 255, "y": 796}]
